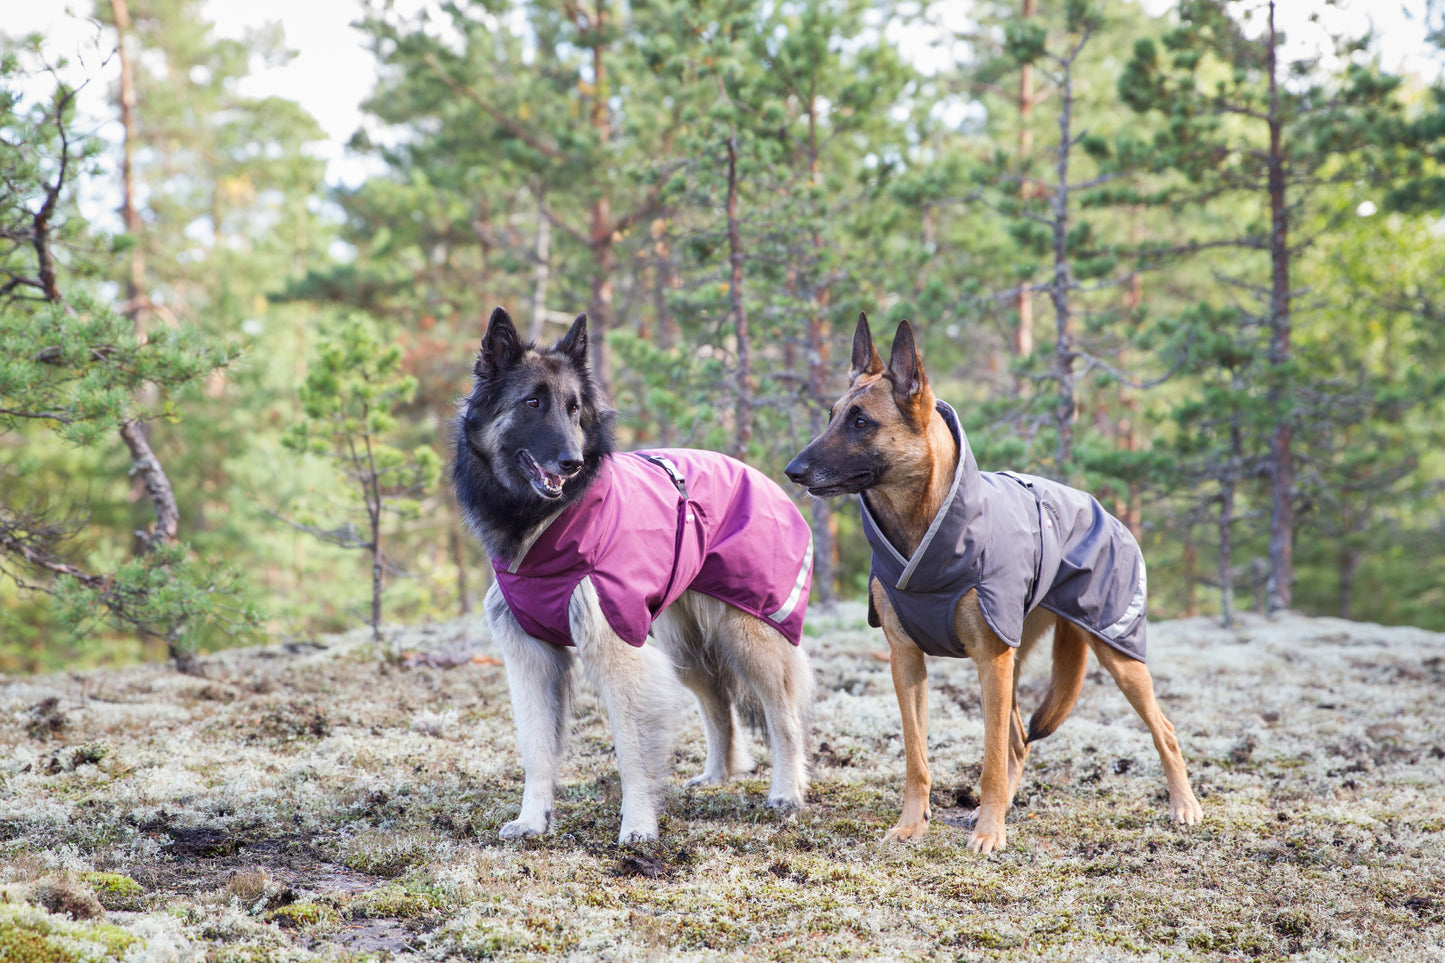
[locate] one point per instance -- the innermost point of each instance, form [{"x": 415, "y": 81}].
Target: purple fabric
[{"x": 736, "y": 537}]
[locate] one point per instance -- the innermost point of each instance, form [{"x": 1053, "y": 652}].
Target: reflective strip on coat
[{"x": 1023, "y": 542}]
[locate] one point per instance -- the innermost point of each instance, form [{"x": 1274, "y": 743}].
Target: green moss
[
  {"x": 115, "y": 940},
  {"x": 390, "y": 858},
  {"x": 114, "y": 883},
  {"x": 30, "y": 942},
  {"x": 550, "y": 935},
  {"x": 392, "y": 902},
  {"x": 114, "y": 890},
  {"x": 298, "y": 915},
  {"x": 240, "y": 954},
  {"x": 483, "y": 948},
  {"x": 986, "y": 939}
]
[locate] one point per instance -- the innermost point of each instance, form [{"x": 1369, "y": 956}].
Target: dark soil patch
[{"x": 375, "y": 936}]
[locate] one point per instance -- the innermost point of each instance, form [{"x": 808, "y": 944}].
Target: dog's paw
[
  {"x": 785, "y": 804},
  {"x": 901, "y": 832},
  {"x": 636, "y": 837},
  {"x": 707, "y": 779},
  {"x": 983, "y": 843},
  {"x": 522, "y": 829},
  {"x": 1186, "y": 812}
]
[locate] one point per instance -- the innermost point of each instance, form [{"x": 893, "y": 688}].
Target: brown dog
[{"x": 980, "y": 565}]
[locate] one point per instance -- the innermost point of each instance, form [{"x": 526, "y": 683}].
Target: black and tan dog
[{"x": 980, "y": 565}]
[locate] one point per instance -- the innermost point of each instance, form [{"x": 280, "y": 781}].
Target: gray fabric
[{"x": 1023, "y": 542}]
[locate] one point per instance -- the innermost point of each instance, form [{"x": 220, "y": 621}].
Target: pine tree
[
  {"x": 72, "y": 368},
  {"x": 353, "y": 386},
  {"x": 1244, "y": 128}
]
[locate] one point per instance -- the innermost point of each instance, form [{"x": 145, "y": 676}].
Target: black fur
[{"x": 498, "y": 508}]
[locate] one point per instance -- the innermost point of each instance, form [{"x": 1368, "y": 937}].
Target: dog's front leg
[
  {"x": 910, "y": 684},
  {"x": 643, "y": 698},
  {"x": 539, "y": 676},
  {"x": 994, "y": 660}
]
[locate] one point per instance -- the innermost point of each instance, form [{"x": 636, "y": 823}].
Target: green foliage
[
  {"x": 352, "y": 387},
  {"x": 539, "y": 157},
  {"x": 77, "y": 368},
  {"x": 71, "y": 366},
  {"x": 167, "y": 593}
]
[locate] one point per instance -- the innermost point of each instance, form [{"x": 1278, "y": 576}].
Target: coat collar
[{"x": 961, "y": 506}]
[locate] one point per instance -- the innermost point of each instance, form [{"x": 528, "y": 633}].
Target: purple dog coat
[
  {"x": 1023, "y": 542},
  {"x": 655, "y": 524}
]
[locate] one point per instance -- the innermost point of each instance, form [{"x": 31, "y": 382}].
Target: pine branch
[{"x": 513, "y": 126}]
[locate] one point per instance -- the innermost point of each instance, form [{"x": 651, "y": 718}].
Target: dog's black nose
[
  {"x": 569, "y": 466},
  {"x": 797, "y": 469}
]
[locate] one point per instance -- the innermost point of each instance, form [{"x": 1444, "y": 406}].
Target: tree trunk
[
  {"x": 667, "y": 333},
  {"x": 825, "y": 536},
  {"x": 1348, "y": 560},
  {"x": 1227, "y": 493},
  {"x": 823, "y": 521},
  {"x": 541, "y": 271},
  {"x": 1128, "y": 423},
  {"x": 1191, "y": 578},
  {"x": 744, "y": 411},
  {"x": 1023, "y": 344},
  {"x": 371, "y": 490},
  {"x": 1281, "y": 519},
  {"x": 459, "y": 559},
  {"x": 1061, "y": 284},
  {"x": 147, "y": 468},
  {"x": 376, "y": 576},
  {"x": 1226, "y": 554},
  {"x": 373, "y": 513},
  {"x": 599, "y": 306},
  {"x": 135, "y": 275}
]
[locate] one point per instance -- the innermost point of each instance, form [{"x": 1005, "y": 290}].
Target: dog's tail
[{"x": 1071, "y": 660}]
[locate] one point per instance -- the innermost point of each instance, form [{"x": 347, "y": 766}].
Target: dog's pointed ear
[
  {"x": 574, "y": 342},
  {"x": 905, "y": 369},
  {"x": 501, "y": 345},
  {"x": 865, "y": 356}
]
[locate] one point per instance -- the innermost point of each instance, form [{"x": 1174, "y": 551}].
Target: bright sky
[{"x": 333, "y": 72}]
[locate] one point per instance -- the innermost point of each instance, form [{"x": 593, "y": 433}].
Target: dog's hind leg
[
  {"x": 682, "y": 630},
  {"x": 643, "y": 699},
  {"x": 539, "y": 675},
  {"x": 778, "y": 675},
  {"x": 1134, "y": 681}
]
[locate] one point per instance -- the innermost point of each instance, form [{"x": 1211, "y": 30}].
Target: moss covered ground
[{"x": 321, "y": 801}]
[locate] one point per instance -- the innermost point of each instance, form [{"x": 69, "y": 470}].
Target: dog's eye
[
  {"x": 533, "y": 402},
  {"x": 860, "y": 422},
  {"x": 573, "y": 407}
]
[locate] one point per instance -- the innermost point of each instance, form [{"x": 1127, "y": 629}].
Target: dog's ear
[
  {"x": 905, "y": 370},
  {"x": 501, "y": 345},
  {"x": 574, "y": 342},
  {"x": 865, "y": 356}
]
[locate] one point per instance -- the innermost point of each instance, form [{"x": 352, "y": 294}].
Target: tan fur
[
  {"x": 921, "y": 462},
  {"x": 1066, "y": 679}
]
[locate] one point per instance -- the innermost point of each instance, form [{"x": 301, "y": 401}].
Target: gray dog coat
[{"x": 1023, "y": 542}]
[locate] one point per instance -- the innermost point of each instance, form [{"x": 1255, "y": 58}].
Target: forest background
[{"x": 1165, "y": 256}]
